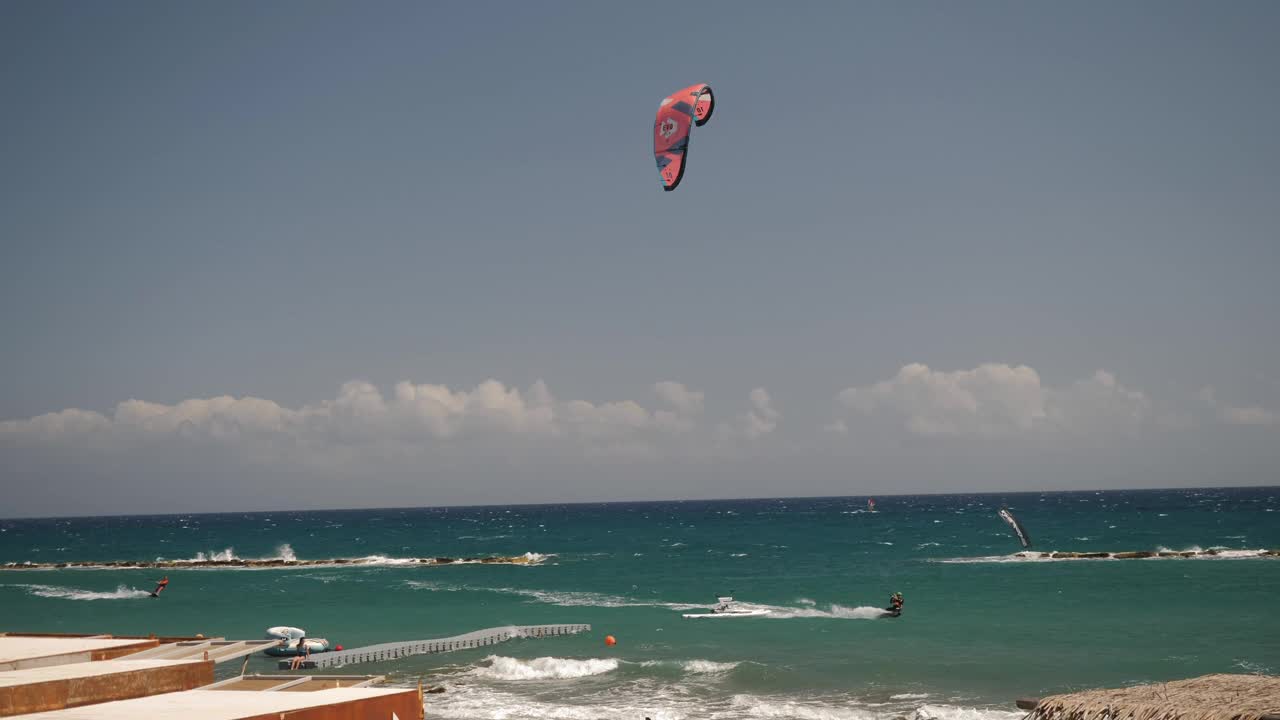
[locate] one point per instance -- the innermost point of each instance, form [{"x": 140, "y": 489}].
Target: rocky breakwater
[
  {"x": 1146, "y": 554},
  {"x": 526, "y": 559}
]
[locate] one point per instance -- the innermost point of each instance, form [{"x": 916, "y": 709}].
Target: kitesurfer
[
  {"x": 161, "y": 584},
  {"x": 895, "y": 603}
]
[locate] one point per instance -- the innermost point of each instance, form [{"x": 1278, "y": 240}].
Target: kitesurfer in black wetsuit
[
  {"x": 161, "y": 584},
  {"x": 895, "y": 603}
]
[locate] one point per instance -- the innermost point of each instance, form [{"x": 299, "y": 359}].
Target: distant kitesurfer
[
  {"x": 895, "y": 603},
  {"x": 161, "y": 584}
]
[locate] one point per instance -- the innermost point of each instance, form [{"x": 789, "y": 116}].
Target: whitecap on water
[{"x": 499, "y": 667}]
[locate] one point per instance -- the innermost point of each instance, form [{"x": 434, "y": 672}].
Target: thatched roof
[{"x": 1211, "y": 697}]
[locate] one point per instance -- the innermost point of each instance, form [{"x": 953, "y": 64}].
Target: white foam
[
  {"x": 222, "y": 556},
  {"x": 64, "y": 593},
  {"x": 909, "y": 696},
  {"x": 543, "y": 668},
  {"x": 695, "y": 667},
  {"x": 950, "y": 712},
  {"x": 755, "y": 707}
]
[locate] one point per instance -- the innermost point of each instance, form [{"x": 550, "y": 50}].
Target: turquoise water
[{"x": 981, "y": 626}]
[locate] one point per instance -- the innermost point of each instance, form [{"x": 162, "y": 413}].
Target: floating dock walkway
[{"x": 396, "y": 650}]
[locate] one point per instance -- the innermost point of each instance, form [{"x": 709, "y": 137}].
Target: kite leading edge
[{"x": 677, "y": 114}]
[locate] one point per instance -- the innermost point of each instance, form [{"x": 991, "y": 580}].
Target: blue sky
[{"x": 273, "y": 201}]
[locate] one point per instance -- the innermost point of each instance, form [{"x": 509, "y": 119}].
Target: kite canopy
[
  {"x": 1017, "y": 527},
  {"x": 677, "y": 115}
]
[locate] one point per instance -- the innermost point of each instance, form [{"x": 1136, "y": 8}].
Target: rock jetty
[
  {"x": 269, "y": 563},
  {"x": 1143, "y": 554}
]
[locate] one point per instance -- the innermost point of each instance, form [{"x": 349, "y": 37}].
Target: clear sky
[{"x": 317, "y": 254}]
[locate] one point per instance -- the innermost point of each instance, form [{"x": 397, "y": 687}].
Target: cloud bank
[
  {"x": 920, "y": 430},
  {"x": 996, "y": 400}
]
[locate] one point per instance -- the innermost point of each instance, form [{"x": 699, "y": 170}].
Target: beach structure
[
  {"x": 326, "y": 703},
  {"x": 293, "y": 683},
  {"x": 396, "y": 650},
  {"x": 22, "y": 651},
  {"x": 1210, "y": 697},
  {"x": 68, "y": 685}
]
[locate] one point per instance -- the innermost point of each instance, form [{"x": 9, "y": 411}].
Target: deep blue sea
[{"x": 981, "y": 625}]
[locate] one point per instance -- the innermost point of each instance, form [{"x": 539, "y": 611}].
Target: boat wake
[
  {"x": 563, "y": 598},
  {"x": 66, "y": 593}
]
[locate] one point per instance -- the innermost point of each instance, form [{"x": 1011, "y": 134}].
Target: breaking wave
[
  {"x": 65, "y": 593},
  {"x": 476, "y": 699},
  {"x": 694, "y": 667},
  {"x": 543, "y": 668}
]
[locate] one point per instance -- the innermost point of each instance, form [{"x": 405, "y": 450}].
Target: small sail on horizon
[{"x": 871, "y": 504}]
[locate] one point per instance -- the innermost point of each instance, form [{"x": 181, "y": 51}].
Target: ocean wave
[
  {"x": 477, "y": 699},
  {"x": 121, "y": 592},
  {"x": 751, "y": 706},
  {"x": 543, "y": 668},
  {"x": 694, "y": 667}
]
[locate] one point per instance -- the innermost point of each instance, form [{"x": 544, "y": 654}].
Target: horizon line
[{"x": 633, "y": 502}]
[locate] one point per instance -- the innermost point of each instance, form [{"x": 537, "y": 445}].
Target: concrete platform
[
  {"x": 72, "y": 685},
  {"x": 18, "y": 652},
  {"x": 328, "y": 704}
]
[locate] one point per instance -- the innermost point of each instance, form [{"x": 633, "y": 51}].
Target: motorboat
[{"x": 726, "y": 608}]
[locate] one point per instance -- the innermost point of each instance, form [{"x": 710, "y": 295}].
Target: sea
[{"x": 981, "y": 626}]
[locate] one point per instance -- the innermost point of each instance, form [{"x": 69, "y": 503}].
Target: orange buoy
[{"x": 610, "y": 640}]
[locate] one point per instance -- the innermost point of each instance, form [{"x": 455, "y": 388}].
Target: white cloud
[
  {"x": 762, "y": 419},
  {"x": 413, "y": 419},
  {"x": 1236, "y": 415},
  {"x": 993, "y": 400},
  {"x": 1252, "y": 415}
]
